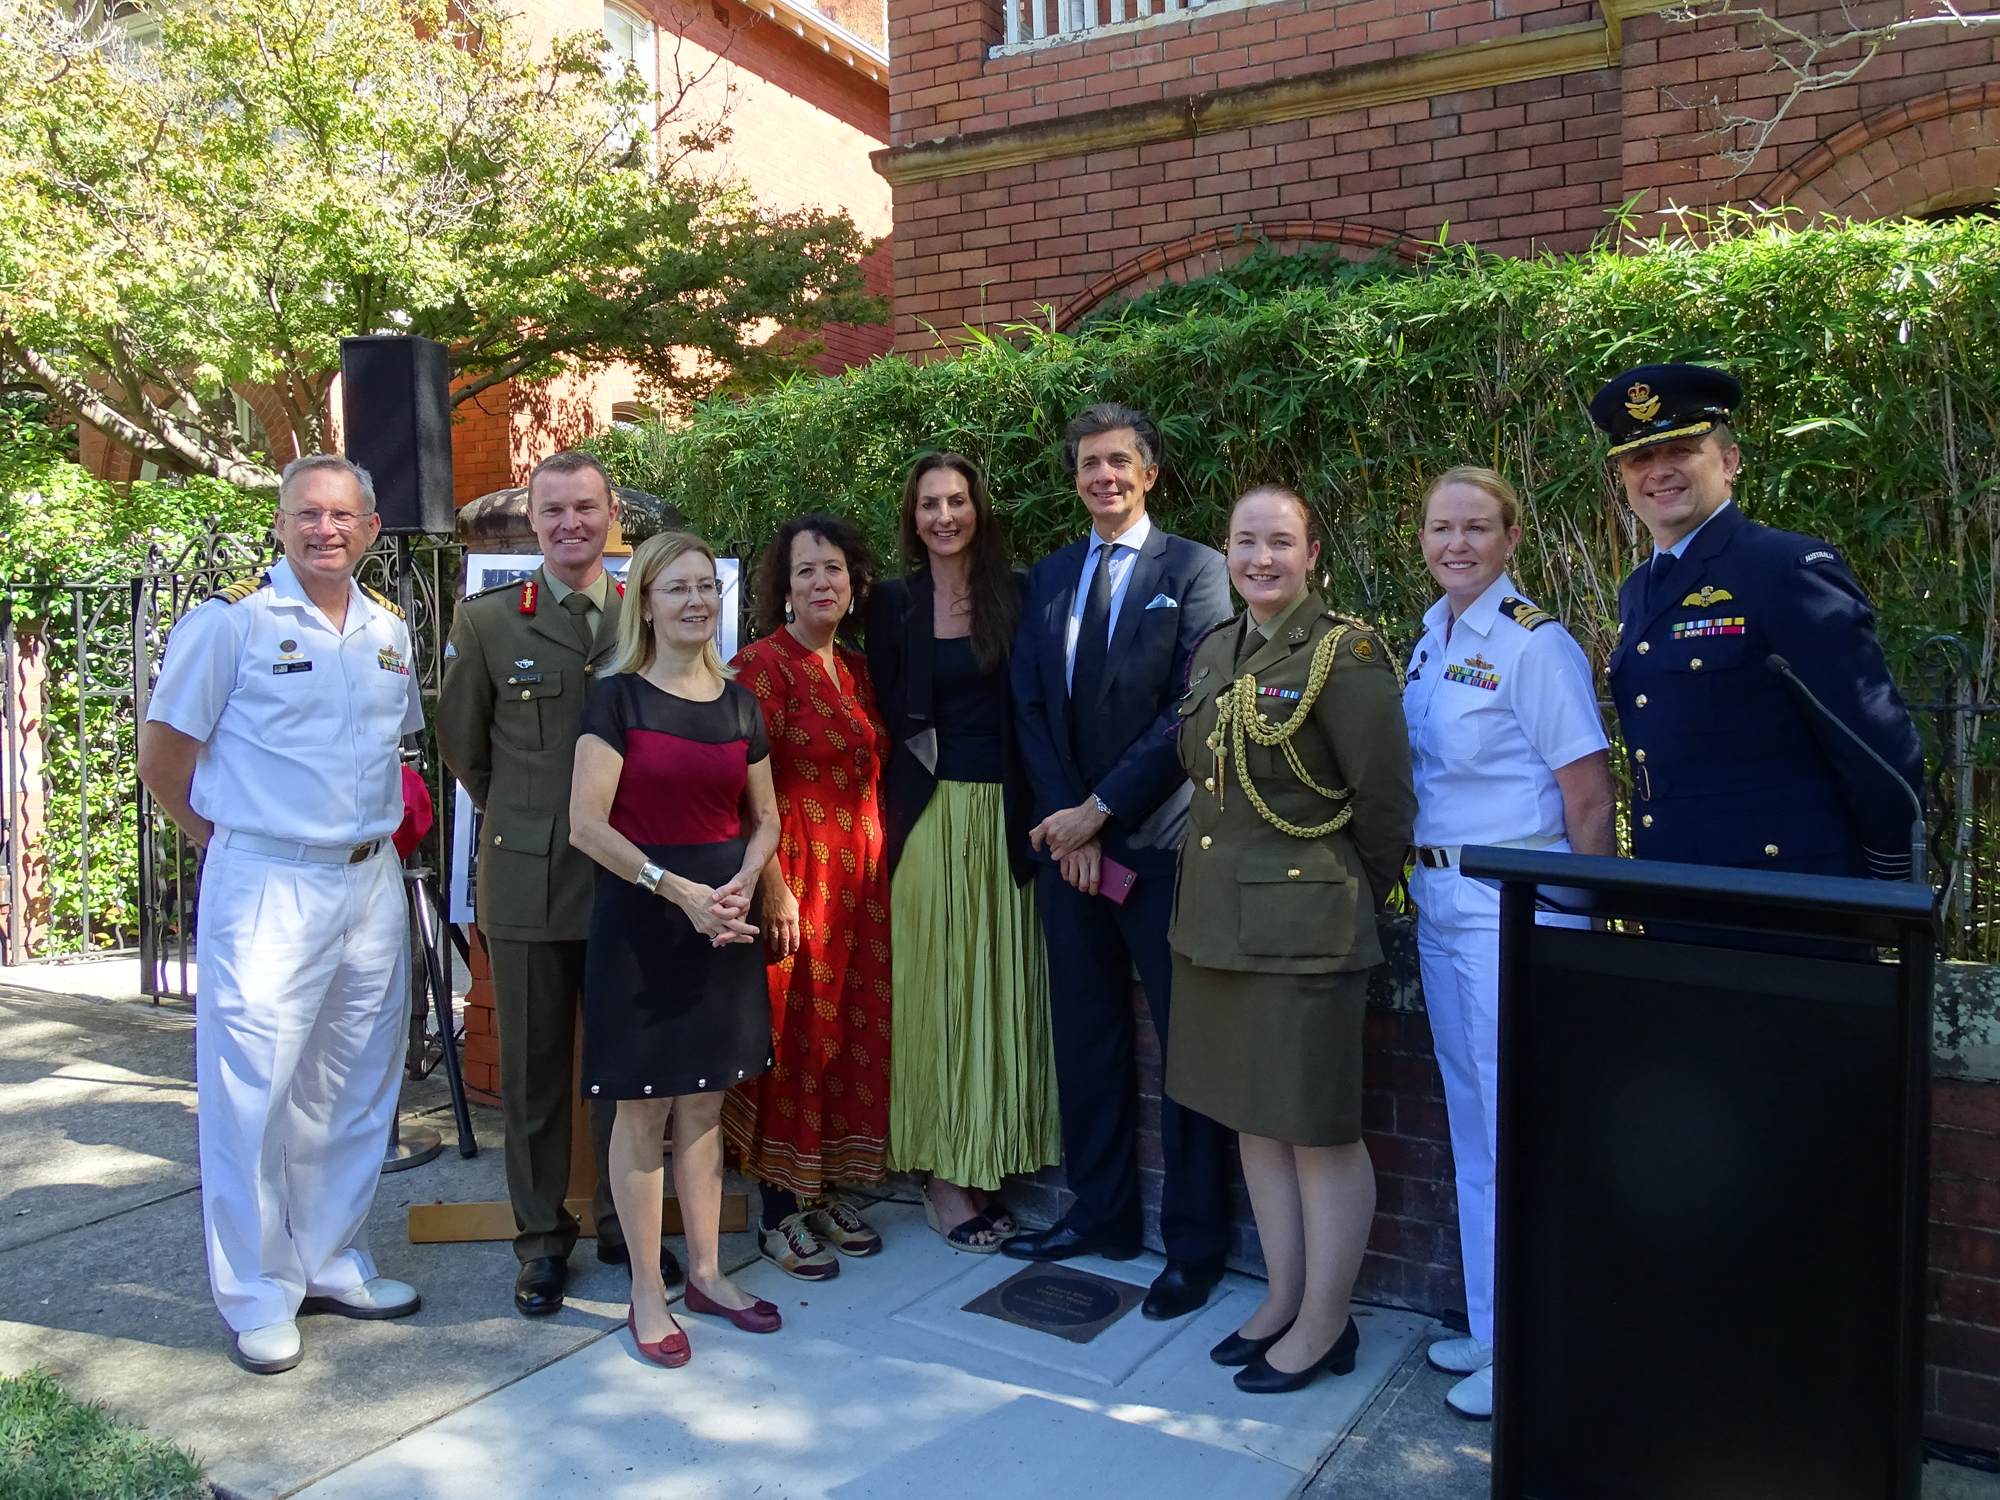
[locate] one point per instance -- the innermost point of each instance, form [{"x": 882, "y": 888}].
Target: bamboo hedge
[{"x": 1871, "y": 355}]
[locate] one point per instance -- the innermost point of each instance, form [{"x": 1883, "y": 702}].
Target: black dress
[{"x": 664, "y": 1011}]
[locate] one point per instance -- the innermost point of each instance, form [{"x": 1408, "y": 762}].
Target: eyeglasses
[
  {"x": 677, "y": 593},
  {"x": 342, "y": 521}
]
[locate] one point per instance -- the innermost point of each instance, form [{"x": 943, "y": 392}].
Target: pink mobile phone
[{"x": 1114, "y": 881}]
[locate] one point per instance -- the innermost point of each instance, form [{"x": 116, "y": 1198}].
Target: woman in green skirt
[{"x": 972, "y": 1093}]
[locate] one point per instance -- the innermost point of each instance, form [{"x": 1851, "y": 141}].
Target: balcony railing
[{"x": 1046, "y": 20}]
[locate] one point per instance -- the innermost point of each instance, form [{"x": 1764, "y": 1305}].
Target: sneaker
[
  {"x": 1472, "y": 1397},
  {"x": 794, "y": 1249},
  {"x": 378, "y": 1297},
  {"x": 836, "y": 1222},
  {"x": 1459, "y": 1356},
  {"x": 270, "y": 1349}
]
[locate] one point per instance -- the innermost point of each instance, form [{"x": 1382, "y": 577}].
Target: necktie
[
  {"x": 1086, "y": 677},
  {"x": 578, "y": 604},
  {"x": 1656, "y": 577}
]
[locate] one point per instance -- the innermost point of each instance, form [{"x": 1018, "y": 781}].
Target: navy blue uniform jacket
[
  {"x": 1147, "y": 791},
  {"x": 1729, "y": 765}
]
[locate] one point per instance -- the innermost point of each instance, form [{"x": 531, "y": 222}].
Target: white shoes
[
  {"x": 1472, "y": 1397},
  {"x": 1459, "y": 1356},
  {"x": 268, "y": 1350},
  {"x": 376, "y": 1298}
]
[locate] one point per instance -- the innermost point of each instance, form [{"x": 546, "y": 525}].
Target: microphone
[{"x": 1919, "y": 837}]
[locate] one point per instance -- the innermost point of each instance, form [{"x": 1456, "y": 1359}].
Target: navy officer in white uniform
[
  {"x": 272, "y": 739},
  {"x": 1507, "y": 747}
]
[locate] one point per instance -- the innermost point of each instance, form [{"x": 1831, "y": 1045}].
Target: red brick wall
[
  {"x": 1518, "y": 168},
  {"x": 1962, "y": 1333}
]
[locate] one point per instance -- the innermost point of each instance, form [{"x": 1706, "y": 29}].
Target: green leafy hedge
[{"x": 1871, "y": 354}]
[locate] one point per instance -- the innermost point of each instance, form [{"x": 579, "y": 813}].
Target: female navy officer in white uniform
[{"x": 1506, "y": 747}]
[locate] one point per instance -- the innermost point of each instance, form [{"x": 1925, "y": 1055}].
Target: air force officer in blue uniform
[
  {"x": 1106, "y": 631},
  {"x": 1730, "y": 765}
]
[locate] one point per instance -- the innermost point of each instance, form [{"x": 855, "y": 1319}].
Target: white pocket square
[{"x": 1161, "y": 601}]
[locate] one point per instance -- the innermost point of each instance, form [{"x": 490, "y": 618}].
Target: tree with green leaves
[{"x": 213, "y": 193}]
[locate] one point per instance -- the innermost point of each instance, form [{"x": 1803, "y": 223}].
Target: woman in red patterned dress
[{"x": 821, "y": 1115}]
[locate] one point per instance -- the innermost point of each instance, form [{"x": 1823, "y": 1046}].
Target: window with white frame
[
  {"x": 629, "y": 45},
  {"x": 1032, "y": 21}
]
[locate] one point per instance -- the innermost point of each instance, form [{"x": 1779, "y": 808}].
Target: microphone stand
[{"x": 1920, "y": 857}]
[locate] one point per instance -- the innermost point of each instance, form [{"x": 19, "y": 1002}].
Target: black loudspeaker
[{"x": 395, "y": 399}]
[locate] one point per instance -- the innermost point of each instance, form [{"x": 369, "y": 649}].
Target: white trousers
[
  {"x": 298, "y": 1028},
  {"x": 1458, "y": 945}
]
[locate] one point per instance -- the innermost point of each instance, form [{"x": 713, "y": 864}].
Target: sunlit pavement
[{"x": 881, "y": 1385}]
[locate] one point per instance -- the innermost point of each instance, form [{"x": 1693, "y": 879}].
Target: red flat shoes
[
  {"x": 672, "y": 1351},
  {"x": 759, "y": 1317}
]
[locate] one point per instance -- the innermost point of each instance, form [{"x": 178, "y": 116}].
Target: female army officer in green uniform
[{"x": 1293, "y": 734}]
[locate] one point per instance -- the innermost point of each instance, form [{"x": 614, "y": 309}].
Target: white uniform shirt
[
  {"x": 1490, "y": 715},
  {"x": 300, "y": 723}
]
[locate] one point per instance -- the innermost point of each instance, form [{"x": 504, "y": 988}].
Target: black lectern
[{"x": 1712, "y": 1184}]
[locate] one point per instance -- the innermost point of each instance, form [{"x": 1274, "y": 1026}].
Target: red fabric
[
  {"x": 821, "y": 1115},
  {"x": 418, "y": 814},
  {"x": 676, "y": 791}
]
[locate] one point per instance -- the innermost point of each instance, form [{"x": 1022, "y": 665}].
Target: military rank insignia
[
  {"x": 1479, "y": 677},
  {"x": 527, "y": 596},
  {"x": 1688, "y": 630}
]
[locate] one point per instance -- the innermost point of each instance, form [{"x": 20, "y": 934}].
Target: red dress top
[
  {"x": 686, "y": 762},
  {"x": 821, "y": 1115}
]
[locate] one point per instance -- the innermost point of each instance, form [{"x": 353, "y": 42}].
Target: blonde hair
[
  {"x": 650, "y": 559},
  {"x": 1490, "y": 480}
]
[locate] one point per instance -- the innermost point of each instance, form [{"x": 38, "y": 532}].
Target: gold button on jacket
[{"x": 1249, "y": 895}]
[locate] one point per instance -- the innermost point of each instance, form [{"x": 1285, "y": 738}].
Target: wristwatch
[
  {"x": 649, "y": 876},
  {"x": 1100, "y": 804}
]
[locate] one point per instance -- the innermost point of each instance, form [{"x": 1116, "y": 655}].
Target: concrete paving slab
[
  {"x": 870, "y": 1391},
  {"x": 104, "y": 1278}
]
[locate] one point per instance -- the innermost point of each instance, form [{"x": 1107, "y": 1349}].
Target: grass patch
[{"x": 55, "y": 1448}]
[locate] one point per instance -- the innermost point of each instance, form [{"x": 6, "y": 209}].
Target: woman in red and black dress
[
  {"x": 674, "y": 1008},
  {"x": 821, "y": 1115}
]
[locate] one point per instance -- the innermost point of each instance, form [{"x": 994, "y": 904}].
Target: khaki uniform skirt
[{"x": 1275, "y": 1055}]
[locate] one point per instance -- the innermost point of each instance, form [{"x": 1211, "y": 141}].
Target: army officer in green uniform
[
  {"x": 522, "y": 660},
  {"x": 1293, "y": 734}
]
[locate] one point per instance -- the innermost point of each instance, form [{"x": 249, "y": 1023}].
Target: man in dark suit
[
  {"x": 1730, "y": 764},
  {"x": 1106, "y": 631}
]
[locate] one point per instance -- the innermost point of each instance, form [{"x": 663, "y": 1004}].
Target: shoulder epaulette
[
  {"x": 1525, "y": 615},
  {"x": 491, "y": 588},
  {"x": 242, "y": 589},
  {"x": 384, "y": 600},
  {"x": 1355, "y": 621}
]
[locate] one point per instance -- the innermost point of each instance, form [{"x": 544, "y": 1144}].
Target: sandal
[
  {"x": 961, "y": 1235},
  {"x": 1002, "y": 1216}
]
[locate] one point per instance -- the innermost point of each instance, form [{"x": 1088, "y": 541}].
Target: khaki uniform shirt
[
  {"x": 507, "y": 721},
  {"x": 1251, "y": 896}
]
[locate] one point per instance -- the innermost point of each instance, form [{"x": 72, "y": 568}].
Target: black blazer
[
  {"x": 1178, "y": 592},
  {"x": 900, "y": 642}
]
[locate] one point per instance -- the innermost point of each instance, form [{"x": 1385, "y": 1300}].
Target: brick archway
[
  {"x": 1940, "y": 151},
  {"x": 1218, "y": 248}
]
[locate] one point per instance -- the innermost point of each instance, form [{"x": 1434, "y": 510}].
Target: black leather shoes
[
  {"x": 538, "y": 1290},
  {"x": 1260, "y": 1378},
  {"x": 1064, "y": 1243},
  {"x": 615, "y": 1253},
  {"x": 1237, "y": 1350},
  {"x": 1179, "y": 1290}
]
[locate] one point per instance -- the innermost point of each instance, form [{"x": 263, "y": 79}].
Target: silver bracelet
[{"x": 650, "y": 875}]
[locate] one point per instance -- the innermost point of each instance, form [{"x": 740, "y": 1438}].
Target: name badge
[
  {"x": 282, "y": 667},
  {"x": 524, "y": 677}
]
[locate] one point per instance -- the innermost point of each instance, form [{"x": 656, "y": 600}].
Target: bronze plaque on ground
[{"x": 1071, "y": 1304}]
